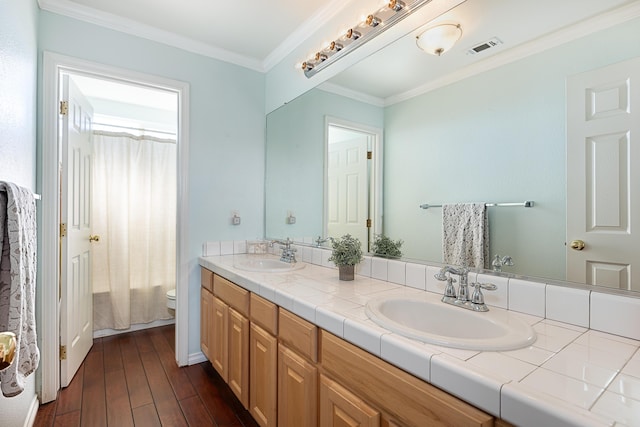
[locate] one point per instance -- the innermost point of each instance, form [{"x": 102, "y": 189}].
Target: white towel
[
  {"x": 18, "y": 283},
  {"x": 465, "y": 237}
]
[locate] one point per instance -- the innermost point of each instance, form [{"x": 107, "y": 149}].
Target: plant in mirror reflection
[{"x": 385, "y": 247}]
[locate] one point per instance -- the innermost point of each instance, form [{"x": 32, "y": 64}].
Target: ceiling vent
[{"x": 484, "y": 46}]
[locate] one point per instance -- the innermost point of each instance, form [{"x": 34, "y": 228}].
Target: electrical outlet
[
  {"x": 290, "y": 218},
  {"x": 235, "y": 219}
]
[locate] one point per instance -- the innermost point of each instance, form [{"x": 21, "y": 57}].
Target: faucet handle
[
  {"x": 450, "y": 291},
  {"x": 486, "y": 286},
  {"x": 441, "y": 275},
  {"x": 478, "y": 297}
]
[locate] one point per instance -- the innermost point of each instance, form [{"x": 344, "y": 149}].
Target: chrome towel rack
[{"x": 526, "y": 204}]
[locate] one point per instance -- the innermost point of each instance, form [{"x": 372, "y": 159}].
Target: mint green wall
[
  {"x": 18, "y": 50},
  {"x": 227, "y": 120},
  {"x": 496, "y": 137},
  {"x": 295, "y": 159}
]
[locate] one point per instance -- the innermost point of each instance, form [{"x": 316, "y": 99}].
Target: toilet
[{"x": 171, "y": 299}]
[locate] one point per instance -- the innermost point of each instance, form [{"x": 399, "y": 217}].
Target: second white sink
[
  {"x": 429, "y": 320},
  {"x": 265, "y": 264}
]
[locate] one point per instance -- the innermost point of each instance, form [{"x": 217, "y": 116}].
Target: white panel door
[
  {"x": 76, "y": 305},
  {"x": 603, "y": 176},
  {"x": 347, "y": 194}
]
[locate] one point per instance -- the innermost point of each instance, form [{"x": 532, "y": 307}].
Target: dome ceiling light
[{"x": 439, "y": 39}]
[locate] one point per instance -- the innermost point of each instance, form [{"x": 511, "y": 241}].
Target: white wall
[
  {"x": 18, "y": 37},
  {"x": 295, "y": 159},
  {"x": 226, "y": 159}
]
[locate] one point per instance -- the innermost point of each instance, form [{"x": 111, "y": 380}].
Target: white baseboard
[
  {"x": 195, "y": 358},
  {"x": 33, "y": 411},
  {"x": 135, "y": 327}
]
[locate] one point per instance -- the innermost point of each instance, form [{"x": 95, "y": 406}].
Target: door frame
[
  {"x": 49, "y": 253},
  {"x": 374, "y": 186}
]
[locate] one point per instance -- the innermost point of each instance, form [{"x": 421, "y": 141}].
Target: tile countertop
[{"x": 570, "y": 376}]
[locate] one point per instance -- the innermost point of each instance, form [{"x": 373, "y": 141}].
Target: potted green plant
[
  {"x": 385, "y": 247},
  {"x": 347, "y": 252}
]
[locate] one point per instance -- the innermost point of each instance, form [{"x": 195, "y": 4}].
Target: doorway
[
  {"x": 353, "y": 181},
  {"x": 56, "y": 66}
]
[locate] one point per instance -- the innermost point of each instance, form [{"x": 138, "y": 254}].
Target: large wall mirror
[{"x": 491, "y": 130}]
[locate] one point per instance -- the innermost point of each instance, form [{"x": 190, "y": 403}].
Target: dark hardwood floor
[{"x": 133, "y": 380}]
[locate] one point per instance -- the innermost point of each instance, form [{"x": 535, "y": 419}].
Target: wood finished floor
[{"x": 133, "y": 380}]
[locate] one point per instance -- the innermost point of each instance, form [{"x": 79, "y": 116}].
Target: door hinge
[
  {"x": 368, "y": 223},
  {"x": 369, "y": 155},
  {"x": 63, "y": 352},
  {"x": 64, "y": 108},
  {"x": 63, "y": 230}
]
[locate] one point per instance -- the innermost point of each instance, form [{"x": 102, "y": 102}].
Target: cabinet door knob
[
  {"x": 94, "y": 238},
  {"x": 577, "y": 245}
]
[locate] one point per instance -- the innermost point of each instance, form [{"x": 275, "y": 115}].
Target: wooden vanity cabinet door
[
  {"x": 339, "y": 407},
  {"x": 297, "y": 390},
  {"x": 238, "y": 357},
  {"x": 263, "y": 376},
  {"x": 206, "y": 314},
  {"x": 219, "y": 342}
]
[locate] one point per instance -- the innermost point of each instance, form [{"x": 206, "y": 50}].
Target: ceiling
[
  {"x": 523, "y": 26},
  {"x": 258, "y": 33}
]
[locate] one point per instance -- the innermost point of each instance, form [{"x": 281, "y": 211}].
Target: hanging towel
[
  {"x": 465, "y": 237},
  {"x": 18, "y": 283}
]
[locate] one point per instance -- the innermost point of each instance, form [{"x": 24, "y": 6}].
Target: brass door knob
[
  {"x": 577, "y": 245},
  {"x": 7, "y": 349},
  {"x": 94, "y": 238}
]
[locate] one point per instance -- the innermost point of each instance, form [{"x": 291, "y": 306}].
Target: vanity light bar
[{"x": 374, "y": 24}]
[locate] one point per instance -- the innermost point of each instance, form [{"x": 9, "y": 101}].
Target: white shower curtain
[{"x": 133, "y": 208}]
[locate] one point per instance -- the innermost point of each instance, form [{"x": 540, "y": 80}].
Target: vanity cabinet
[
  {"x": 206, "y": 311},
  {"x": 289, "y": 373},
  {"x": 297, "y": 371},
  {"x": 230, "y": 337},
  {"x": 263, "y": 361}
]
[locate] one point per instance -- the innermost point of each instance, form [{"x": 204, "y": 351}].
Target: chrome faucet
[
  {"x": 500, "y": 261},
  {"x": 320, "y": 240},
  {"x": 461, "y": 298},
  {"x": 288, "y": 253}
]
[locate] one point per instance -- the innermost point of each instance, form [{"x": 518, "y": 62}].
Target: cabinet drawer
[
  {"x": 264, "y": 313},
  {"x": 298, "y": 334},
  {"x": 407, "y": 399},
  {"x": 206, "y": 279},
  {"x": 232, "y": 294}
]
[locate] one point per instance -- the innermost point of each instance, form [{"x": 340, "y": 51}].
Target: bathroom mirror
[{"x": 493, "y": 132}]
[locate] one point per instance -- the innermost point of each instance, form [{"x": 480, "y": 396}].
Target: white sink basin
[
  {"x": 265, "y": 265},
  {"x": 429, "y": 320}
]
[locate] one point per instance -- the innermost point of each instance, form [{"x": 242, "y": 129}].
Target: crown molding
[
  {"x": 557, "y": 38},
  {"x": 350, "y": 93},
  {"x": 135, "y": 28},
  {"x": 310, "y": 26}
]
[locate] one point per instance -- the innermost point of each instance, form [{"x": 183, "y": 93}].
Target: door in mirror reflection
[
  {"x": 602, "y": 204},
  {"x": 350, "y": 187}
]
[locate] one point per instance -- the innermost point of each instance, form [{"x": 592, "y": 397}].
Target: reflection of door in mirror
[
  {"x": 602, "y": 208},
  {"x": 350, "y": 206}
]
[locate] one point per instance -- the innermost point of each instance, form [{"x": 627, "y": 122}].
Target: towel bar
[{"x": 526, "y": 204}]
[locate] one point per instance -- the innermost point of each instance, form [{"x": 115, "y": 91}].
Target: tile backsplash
[{"x": 611, "y": 313}]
